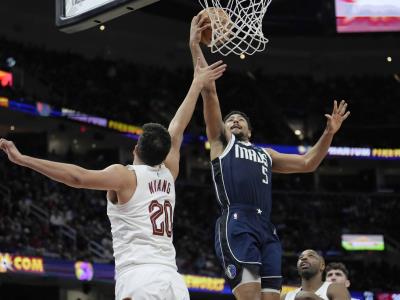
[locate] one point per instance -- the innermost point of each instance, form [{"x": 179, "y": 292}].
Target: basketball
[{"x": 221, "y": 22}]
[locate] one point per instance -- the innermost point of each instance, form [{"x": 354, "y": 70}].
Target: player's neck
[
  {"x": 312, "y": 284},
  {"x": 244, "y": 140},
  {"x": 137, "y": 161}
]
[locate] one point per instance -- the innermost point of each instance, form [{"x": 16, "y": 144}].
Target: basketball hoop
[{"x": 245, "y": 34}]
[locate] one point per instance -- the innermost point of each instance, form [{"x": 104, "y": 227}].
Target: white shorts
[{"x": 151, "y": 282}]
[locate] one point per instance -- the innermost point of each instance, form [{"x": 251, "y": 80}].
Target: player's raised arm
[
  {"x": 115, "y": 177},
  {"x": 211, "y": 107},
  {"x": 202, "y": 76},
  {"x": 196, "y": 29},
  {"x": 289, "y": 163}
]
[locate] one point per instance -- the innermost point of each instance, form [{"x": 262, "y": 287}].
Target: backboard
[{"x": 77, "y": 15}]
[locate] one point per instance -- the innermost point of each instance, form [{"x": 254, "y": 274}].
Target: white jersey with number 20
[{"x": 142, "y": 227}]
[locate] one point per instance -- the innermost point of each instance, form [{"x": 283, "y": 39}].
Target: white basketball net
[{"x": 243, "y": 34}]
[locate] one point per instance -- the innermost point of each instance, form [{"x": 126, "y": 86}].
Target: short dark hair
[
  {"x": 237, "y": 112},
  {"x": 337, "y": 266},
  {"x": 321, "y": 258},
  {"x": 154, "y": 144}
]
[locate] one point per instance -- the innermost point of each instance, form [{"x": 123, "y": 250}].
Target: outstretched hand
[
  {"x": 197, "y": 27},
  {"x": 337, "y": 117},
  {"x": 11, "y": 150},
  {"x": 206, "y": 75}
]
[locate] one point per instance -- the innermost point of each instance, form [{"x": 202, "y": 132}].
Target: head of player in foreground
[
  {"x": 310, "y": 264},
  {"x": 153, "y": 145}
]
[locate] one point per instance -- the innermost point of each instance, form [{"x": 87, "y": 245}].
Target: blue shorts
[{"x": 244, "y": 237}]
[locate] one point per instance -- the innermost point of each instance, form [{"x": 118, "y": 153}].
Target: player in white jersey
[
  {"x": 337, "y": 272},
  {"x": 311, "y": 266},
  {"x": 141, "y": 200}
]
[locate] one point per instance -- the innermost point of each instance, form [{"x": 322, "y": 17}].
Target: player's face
[
  {"x": 238, "y": 126},
  {"x": 337, "y": 276},
  {"x": 309, "y": 264}
]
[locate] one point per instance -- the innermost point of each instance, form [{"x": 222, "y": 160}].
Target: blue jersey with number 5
[{"x": 242, "y": 175}]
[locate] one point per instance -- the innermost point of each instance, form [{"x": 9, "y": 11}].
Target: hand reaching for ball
[
  {"x": 206, "y": 21},
  {"x": 196, "y": 28},
  {"x": 205, "y": 75}
]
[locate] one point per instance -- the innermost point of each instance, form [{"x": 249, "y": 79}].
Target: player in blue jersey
[{"x": 246, "y": 241}]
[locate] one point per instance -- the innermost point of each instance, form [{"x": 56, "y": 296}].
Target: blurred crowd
[
  {"x": 136, "y": 94},
  {"x": 39, "y": 211}
]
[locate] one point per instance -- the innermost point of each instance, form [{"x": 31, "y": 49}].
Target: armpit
[{"x": 112, "y": 197}]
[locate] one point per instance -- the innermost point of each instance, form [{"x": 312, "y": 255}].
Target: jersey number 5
[
  {"x": 157, "y": 210},
  {"x": 265, "y": 172}
]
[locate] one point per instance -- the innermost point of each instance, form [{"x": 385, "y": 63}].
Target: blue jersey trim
[
  {"x": 223, "y": 182},
  {"x": 270, "y": 158},
  {"x": 228, "y": 147},
  {"x": 216, "y": 186}
]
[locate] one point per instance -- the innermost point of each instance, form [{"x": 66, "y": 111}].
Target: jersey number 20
[{"x": 157, "y": 210}]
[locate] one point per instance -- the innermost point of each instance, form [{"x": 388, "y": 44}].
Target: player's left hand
[
  {"x": 205, "y": 75},
  {"x": 337, "y": 117},
  {"x": 11, "y": 150}
]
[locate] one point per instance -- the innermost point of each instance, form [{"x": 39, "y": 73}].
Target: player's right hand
[
  {"x": 339, "y": 114},
  {"x": 11, "y": 150},
  {"x": 196, "y": 28},
  {"x": 206, "y": 75}
]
